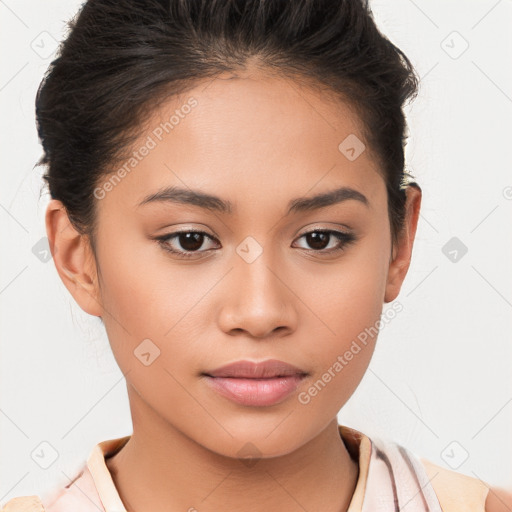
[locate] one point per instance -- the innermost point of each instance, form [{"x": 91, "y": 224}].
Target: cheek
[
  {"x": 348, "y": 305},
  {"x": 347, "y": 296},
  {"x": 340, "y": 360},
  {"x": 141, "y": 298},
  {"x": 154, "y": 310},
  {"x": 141, "y": 289}
]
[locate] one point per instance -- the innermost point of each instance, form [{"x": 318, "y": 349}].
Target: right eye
[{"x": 189, "y": 240}]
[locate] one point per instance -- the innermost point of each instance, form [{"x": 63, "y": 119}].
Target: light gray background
[{"x": 440, "y": 380}]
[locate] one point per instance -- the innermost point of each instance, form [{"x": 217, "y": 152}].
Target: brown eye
[
  {"x": 190, "y": 241},
  {"x": 184, "y": 243},
  {"x": 319, "y": 240}
]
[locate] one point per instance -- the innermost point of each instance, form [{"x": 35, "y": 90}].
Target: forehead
[{"x": 251, "y": 136}]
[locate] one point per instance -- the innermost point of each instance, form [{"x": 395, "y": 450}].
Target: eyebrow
[{"x": 210, "y": 202}]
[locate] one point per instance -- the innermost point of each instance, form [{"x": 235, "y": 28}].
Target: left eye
[{"x": 318, "y": 238}]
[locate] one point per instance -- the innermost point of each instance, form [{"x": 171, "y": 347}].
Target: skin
[
  {"x": 257, "y": 141},
  {"x": 498, "y": 499}
]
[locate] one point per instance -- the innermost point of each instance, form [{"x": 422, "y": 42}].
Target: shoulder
[
  {"x": 457, "y": 491},
  {"x": 24, "y": 504},
  {"x": 499, "y": 500},
  {"x": 80, "y": 495}
]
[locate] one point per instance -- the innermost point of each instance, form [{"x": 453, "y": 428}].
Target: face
[{"x": 248, "y": 278}]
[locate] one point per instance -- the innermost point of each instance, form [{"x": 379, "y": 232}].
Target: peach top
[{"x": 390, "y": 479}]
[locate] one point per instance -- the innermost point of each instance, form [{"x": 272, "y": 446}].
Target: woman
[{"x": 229, "y": 197}]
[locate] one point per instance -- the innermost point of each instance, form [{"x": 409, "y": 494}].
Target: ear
[
  {"x": 402, "y": 252},
  {"x": 73, "y": 258}
]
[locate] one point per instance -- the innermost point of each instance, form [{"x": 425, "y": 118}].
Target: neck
[{"x": 161, "y": 469}]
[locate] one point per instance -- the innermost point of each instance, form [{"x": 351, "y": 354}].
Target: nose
[{"x": 258, "y": 300}]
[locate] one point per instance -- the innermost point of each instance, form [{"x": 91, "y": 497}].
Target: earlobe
[
  {"x": 402, "y": 253},
  {"x": 73, "y": 258}
]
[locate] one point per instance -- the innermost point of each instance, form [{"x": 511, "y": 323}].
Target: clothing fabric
[{"x": 391, "y": 479}]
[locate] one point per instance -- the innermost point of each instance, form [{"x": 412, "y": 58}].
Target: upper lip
[{"x": 251, "y": 370}]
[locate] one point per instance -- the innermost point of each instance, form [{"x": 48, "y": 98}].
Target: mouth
[
  {"x": 271, "y": 368},
  {"x": 256, "y": 384}
]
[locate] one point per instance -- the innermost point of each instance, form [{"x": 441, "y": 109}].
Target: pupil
[
  {"x": 192, "y": 241},
  {"x": 317, "y": 240}
]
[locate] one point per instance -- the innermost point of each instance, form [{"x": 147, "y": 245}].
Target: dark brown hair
[{"x": 122, "y": 58}]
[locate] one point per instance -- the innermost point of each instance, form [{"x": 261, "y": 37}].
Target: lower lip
[{"x": 255, "y": 392}]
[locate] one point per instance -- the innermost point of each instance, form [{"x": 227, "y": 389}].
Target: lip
[
  {"x": 251, "y": 370},
  {"x": 256, "y": 384}
]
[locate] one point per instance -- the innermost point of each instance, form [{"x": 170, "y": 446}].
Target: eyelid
[{"x": 332, "y": 227}]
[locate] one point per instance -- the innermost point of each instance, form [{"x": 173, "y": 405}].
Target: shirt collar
[
  {"x": 101, "y": 475},
  {"x": 358, "y": 445}
]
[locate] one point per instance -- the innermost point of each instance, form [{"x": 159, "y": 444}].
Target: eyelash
[{"x": 344, "y": 238}]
